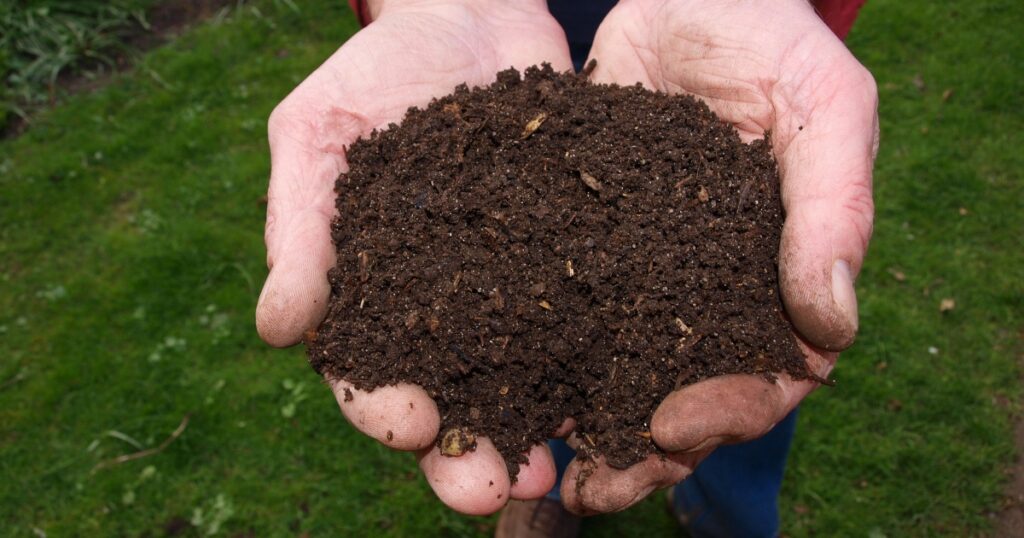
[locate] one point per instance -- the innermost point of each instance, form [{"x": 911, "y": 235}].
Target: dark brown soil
[{"x": 547, "y": 248}]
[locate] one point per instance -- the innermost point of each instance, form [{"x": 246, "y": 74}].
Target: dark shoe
[{"x": 543, "y": 518}]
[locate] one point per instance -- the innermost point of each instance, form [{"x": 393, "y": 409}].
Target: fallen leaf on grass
[
  {"x": 919, "y": 82},
  {"x": 946, "y": 305}
]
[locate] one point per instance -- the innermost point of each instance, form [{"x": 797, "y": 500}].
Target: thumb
[
  {"x": 306, "y": 153},
  {"x": 826, "y": 190}
]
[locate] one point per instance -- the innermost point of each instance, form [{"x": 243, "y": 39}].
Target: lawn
[{"x": 131, "y": 222}]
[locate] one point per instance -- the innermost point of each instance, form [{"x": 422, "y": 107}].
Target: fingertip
[
  {"x": 402, "y": 417},
  {"x": 287, "y": 309},
  {"x": 565, "y": 429},
  {"x": 475, "y": 483},
  {"x": 537, "y": 477}
]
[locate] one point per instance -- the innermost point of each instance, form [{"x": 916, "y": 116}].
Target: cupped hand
[
  {"x": 413, "y": 51},
  {"x": 762, "y": 66}
]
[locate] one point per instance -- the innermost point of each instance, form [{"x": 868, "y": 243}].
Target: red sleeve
[
  {"x": 362, "y": 11},
  {"x": 838, "y": 14}
]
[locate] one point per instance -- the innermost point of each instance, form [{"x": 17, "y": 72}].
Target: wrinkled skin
[{"x": 760, "y": 65}]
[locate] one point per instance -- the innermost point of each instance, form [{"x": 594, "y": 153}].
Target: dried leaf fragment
[
  {"x": 918, "y": 82},
  {"x": 533, "y": 125},
  {"x": 456, "y": 442},
  {"x": 946, "y": 305},
  {"x": 590, "y": 181},
  {"x": 545, "y": 305}
]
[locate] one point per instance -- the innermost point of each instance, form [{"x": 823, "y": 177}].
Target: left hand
[{"x": 760, "y": 65}]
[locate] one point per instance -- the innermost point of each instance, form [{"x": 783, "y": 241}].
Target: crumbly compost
[{"x": 545, "y": 248}]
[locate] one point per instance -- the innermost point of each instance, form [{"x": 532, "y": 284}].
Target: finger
[
  {"x": 537, "y": 477},
  {"x": 728, "y": 408},
  {"x": 731, "y": 408},
  {"x": 619, "y": 59},
  {"x": 307, "y": 154},
  {"x": 604, "y": 489},
  {"x": 295, "y": 294},
  {"x": 565, "y": 429},
  {"x": 826, "y": 169},
  {"x": 475, "y": 483},
  {"x": 402, "y": 417}
]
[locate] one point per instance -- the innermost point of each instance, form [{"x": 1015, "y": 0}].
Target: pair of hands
[{"x": 761, "y": 65}]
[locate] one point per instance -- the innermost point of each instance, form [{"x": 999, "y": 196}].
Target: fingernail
[{"x": 843, "y": 294}]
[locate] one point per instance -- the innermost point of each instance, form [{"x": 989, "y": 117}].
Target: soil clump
[{"x": 545, "y": 248}]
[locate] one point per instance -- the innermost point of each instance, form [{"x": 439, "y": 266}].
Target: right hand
[
  {"x": 769, "y": 65},
  {"x": 414, "y": 50}
]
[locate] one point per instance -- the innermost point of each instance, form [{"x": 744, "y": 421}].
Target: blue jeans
[
  {"x": 732, "y": 493},
  {"x": 580, "y": 19}
]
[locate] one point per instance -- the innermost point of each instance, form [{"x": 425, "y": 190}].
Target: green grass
[
  {"x": 41, "y": 40},
  {"x": 131, "y": 257}
]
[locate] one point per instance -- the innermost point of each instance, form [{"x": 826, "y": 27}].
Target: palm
[{"x": 397, "y": 62}]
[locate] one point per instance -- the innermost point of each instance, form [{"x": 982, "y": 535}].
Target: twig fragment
[
  {"x": 590, "y": 181},
  {"x": 589, "y": 68},
  {"x": 145, "y": 453}
]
